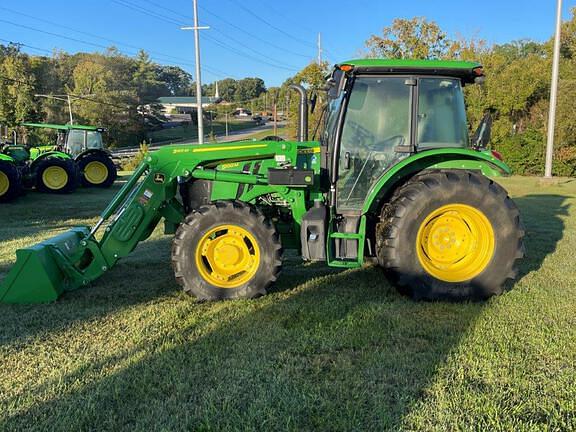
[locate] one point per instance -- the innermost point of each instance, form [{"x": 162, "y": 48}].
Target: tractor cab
[
  {"x": 382, "y": 111},
  {"x": 75, "y": 139}
]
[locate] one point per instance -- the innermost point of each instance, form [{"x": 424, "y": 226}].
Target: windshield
[
  {"x": 377, "y": 122},
  {"x": 331, "y": 120}
]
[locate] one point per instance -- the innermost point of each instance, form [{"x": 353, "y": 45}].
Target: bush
[
  {"x": 135, "y": 160},
  {"x": 524, "y": 153}
]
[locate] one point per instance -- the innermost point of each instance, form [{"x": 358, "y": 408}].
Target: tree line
[
  {"x": 108, "y": 89},
  {"x": 119, "y": 92}
]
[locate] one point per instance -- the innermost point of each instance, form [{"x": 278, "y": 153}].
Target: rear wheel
[
  {"x": 57, "y": 176},
  {"x": 10, "y": 182},
  {"x": 226, "y": 250},
  {"x": 97, "y": 170},
  {"x": 450, "y": 235}
]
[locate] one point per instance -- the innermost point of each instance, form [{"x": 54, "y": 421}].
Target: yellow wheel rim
[
  {"x": 455, "y": 243},
  {"x": 227, "y": 256},
  {"x": 55, "y": 177},
  {"x": 4, "y": 183},
  {"x": 95, "y": 172}
]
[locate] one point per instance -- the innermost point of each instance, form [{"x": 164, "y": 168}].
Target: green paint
[
  {"x": 412, "y": 64},
  {"x": 65, "y": 127}
]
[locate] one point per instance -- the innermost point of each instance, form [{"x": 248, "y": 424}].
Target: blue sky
[{"x": 269, "y": 39}]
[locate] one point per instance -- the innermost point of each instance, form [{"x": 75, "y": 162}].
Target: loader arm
[{"x": 76, "y": 258}]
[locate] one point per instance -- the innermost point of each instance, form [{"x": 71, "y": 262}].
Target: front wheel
[
  {"x": 450, "y": 235},
  {"x": 54, "y": 175},
  {"x": 226, "y": 250}
]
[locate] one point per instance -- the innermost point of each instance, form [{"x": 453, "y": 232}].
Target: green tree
[{"x": 415, "y": 38}]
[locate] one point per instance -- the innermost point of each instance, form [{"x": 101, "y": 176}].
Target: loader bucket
[{"x": 40, "y": 274}]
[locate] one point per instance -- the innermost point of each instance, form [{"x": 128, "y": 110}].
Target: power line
[
  {"x": 220, "y": 43},
  {"x": 231, "y": 24},
  {"x": 269, "y": 24},
  {"x": 27, "y": 46},
  {"x": 94, "y": 44},
  {"x": 158, "y": 54}
]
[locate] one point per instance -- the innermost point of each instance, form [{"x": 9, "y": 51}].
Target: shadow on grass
[
  {"x": 137, "y": 279},
  {"x": 342, "y": 351},
  {"x": 542, "y": 217}
]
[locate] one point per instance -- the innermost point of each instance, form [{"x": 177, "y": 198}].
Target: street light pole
[
  {"x": 553, "y": 94},
  {"x": 64, "y": 98},
  {"x": 196, "y": 29}
]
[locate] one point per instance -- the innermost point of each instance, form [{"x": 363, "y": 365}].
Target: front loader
[{"x": 394, "y": 179}]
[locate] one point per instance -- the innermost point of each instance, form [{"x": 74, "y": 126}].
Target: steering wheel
[
  {"x": 381, "y": 145},
  {"x": 363, "y": 136}
]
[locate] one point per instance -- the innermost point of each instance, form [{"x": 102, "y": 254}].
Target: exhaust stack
[{"x": 302, "y": 112}]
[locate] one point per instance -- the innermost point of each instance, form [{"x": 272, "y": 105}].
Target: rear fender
[
  {"x": 89, "y": 152},
  {"x": 464, "y": 159}
]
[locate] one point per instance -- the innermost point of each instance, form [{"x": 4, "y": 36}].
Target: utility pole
[
  {"x": 553, "y": 94},
  {"x": 196, "y": 29},
  {"x": 319, "y": 48}
]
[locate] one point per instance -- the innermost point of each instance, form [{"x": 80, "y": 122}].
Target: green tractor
[
  {"x": 77, "y": 157},
  {"x": 393, "y": 179},
  {"x": 85, "y": 145}
]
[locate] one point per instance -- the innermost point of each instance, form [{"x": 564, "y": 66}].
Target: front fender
[
  {"x": 464, "y": 159},
  {"x": 6, "y": 158},
  {"x": 49, "y": 155}
]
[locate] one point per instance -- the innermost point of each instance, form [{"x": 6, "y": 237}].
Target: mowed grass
[{"x": 325, "y": 350}]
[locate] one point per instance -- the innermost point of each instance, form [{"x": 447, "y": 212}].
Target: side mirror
[
  {"x": 481, "y": 137},
  {"x": 313, "y": 101},
  {"x": 335, "y": 84}
]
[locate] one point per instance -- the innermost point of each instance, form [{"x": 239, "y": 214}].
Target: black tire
[
  {"x": 272, "y": 138},
  {"x": 9, "y": 173},
  {"x": 397, "y": 234},
  {"x": 68, "y": 165},
  {"x": 102, "y": 158},
  {"x": 206, "y": 218}
]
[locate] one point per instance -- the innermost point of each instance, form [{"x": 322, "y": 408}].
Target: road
[{"x": 232, "y": 136}]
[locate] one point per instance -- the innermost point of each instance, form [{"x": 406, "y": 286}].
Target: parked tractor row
[{"x": 77, "y": 158}]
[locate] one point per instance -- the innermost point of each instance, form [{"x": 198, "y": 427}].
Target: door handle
[{"x": 347, "y": 159}]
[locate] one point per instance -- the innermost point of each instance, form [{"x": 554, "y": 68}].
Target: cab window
[
  {"x": 441, "y": 114},
  {"x": 75, "y": 141},
  {"x": 94, "y": 140}
]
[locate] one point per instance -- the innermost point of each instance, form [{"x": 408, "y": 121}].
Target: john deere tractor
[
  {"x": 394, "y": 179},
  {"x": 77, "y": 157},
  {"x": 83, "y": 144}
]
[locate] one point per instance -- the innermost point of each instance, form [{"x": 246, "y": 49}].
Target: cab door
[{"x": 375, "y": 135}]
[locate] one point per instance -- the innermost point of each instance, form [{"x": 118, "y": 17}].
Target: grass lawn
[
  {"x": 191, "y": 132},
  {"x": 327, "y": 349}
]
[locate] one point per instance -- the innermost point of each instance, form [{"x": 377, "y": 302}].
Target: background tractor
[
  {"x": 393, "y": 179},
  {"x": 85, "y": 145},
  {"x": 78, "y": 156}
]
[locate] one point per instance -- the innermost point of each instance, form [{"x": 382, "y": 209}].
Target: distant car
[
  {"x": 259, "y": 120},
  {"x": 241, "y": 112}
]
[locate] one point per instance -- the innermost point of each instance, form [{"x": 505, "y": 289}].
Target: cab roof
[
  {"x": 62, "y": 127},
  {"x": 467, "y": 71}
]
